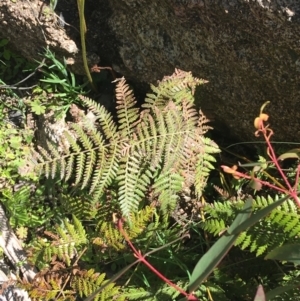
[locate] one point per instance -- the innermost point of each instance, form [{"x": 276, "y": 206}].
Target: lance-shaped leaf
[
  {"x": 279, "y": 290},
  {"x": 288, "y": 252},
  {"x": 216, "y": 253}
]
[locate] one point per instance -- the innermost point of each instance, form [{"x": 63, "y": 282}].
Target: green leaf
[
  {"x": 53, "y": 81},
  {"x": 3, "y": 42},
  {"x": 288, "y": 252},
  {"x": 291, "y": 154},
  {"x": 15, "y": 142},
  {"x": 260, "y": 214},
  {"x": 215, "y": 254},
  {"x": 279, "y": 290},
  {"x": 37, "y": 107},
  {"x": 6, "y": 54}
]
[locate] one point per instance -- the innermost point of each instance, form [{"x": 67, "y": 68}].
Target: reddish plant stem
[
  {"x": 142, "y": 259},
  {"x": 242, "y": 175},
  {"x": 297, "y": 177},
  {"x": 292, "y": 191}
]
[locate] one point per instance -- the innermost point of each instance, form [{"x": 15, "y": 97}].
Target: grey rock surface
[
  {"x": 31, "y": 26},
  {"x": 249, "y": 51}
]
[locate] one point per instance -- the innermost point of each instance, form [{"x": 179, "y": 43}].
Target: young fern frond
[
  {"x": 64, "y": 244},
  {"x": 108, "y": 235},
  {"x": 140, "y": 151},
  {"x": 87, "y": 282},
  {"x": 167, "y": 187},
  {"x": 127, "y": 113}
]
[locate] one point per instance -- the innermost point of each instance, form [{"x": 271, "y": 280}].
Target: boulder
[{"x": 249, "y": 51}]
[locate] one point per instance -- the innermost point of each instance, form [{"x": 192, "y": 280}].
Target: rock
[
  {"x": 31, "y": 26},
  {"x": 247, "y": 50}
]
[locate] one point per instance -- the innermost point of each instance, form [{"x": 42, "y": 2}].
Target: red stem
[
  {"x": 143, "y": 259},
  {"x": 291, "y": 191}
]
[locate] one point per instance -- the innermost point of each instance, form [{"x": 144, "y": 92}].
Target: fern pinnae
[
  {"x": 69, "y": 167},
  {"x": 126, "y": 112},
  {"x": 89, "y": 167},
  {"x": 72, "y": 141},
  {"x": 105, "y": 118},
  {"x": 83, "y": 137},
  {"x": 42, "y": 158},
  {"x": 189, "y": 113},
  {"x": 166, "y": 187},
  {"x": 62, "y": 168},
  {"x": 80, "y": 163},
  {"x": 161, "y": 138},
  {"x": 99, "y": 167},
  {"x": 202, "y": 123},
  {"x": 155, "y": 150},
  {"x": 106, "y": 173},
  {"x": 128, "y": 178},
  {"x": 87, "y": 158},
  {"x": 157, "y": 99},
  {"x": 174, "y": 142},
  {"x": 54, "y": 153}
]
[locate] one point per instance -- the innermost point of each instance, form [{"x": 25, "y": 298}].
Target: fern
[
  {"x": 64, "y": 244},
  {"x": 88, "y": 281},
  {"x": 280, "y": 226},
  {"x": 108, "y": 235},
  {"x": 162, "y": 148}
]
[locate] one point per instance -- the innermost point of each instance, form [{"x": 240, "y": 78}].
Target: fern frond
[
  {"x": 282, "y": 225},
  {"x": 127, "y": 113},
  {"x": 132, "y": 157},
  {"x": 104, "y": 117},
  {"x": 88, "y": 282},
  {"x": 109, "y": 235},
  {"x": 64, "y": 244}
]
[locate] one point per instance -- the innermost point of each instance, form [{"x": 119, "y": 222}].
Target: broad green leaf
[
  {"x": 260, "y": 214},
  {"x": 215, "y": 254},
  {"x": 6, "y": 54},
  {"x": 15, "y": 142},
  {"x": 279, "y": 290},
  {"x": 288, "y": 252},
  {"x": 3, "y": 42},
  {"x": 260, "y": 294}
]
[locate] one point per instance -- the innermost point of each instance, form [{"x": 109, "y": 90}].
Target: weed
[{"x": 58, "y": 88}]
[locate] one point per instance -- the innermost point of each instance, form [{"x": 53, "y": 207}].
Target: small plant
[
  {"x": 256, "y": 183},
  {"x": 53, "y": 4},
  {"x": 58, "y": 88},
  {"x": 280, "y": 227},
  {"x": 155, "y": 153}
]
